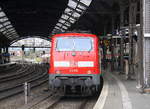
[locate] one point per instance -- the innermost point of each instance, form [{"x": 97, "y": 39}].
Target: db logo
[{"x": 73, "y": 64}]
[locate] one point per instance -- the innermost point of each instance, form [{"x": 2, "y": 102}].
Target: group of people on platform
[{"x": 4, "y": 58}]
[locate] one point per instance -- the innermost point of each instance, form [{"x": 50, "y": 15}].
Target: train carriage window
[{"x": 74, "y": 44}]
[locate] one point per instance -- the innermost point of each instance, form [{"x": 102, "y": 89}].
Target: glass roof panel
[
  {"x": 9, "y": 26},
  {"x": 2, "y": 29},
  {"x": 68, "y": 24},
  {"x": 79, "y": 10},
  {"x": 11, "y": 32},
  {"x": 72, "y": 4},
  {"x": 4, "y": 32},
  {"x": 76, "y": 15},
  {"x": 59, "y": 24},
  {"x": 6, "y": 23},
  {"x": 6, "y": 26},
  {"x": 3, "y": 19},
  {"x": 71, "y": 20},
  {"x": 64, "y": 27},
  {"x": 57, "y": 27},
  {"x": 10, "y": 35},
  {"x": 1, "y": 25},
  {"x": 62, "y": 21},
  {"x": 68, "y": 10},
  {"x": 2, "y": 14},
  {"x": 10, "y": 29},
  {"x": 82, "y": 7},
  {"x": 62, "y": 30},
  {"x": 86, "y": 2},
  {"x": 65, "y": 16},
  {"x": 78, "y": 7}
]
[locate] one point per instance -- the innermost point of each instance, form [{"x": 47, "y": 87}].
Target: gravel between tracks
[
  {"x": 76, "y": 103},
  {"x": 17, "y": 101},
  {"x": 58, "y": 102},
  {"x": 21, "y": 79}
]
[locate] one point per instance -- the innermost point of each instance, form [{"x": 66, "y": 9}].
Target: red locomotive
[{"x": 74, "y": 62}]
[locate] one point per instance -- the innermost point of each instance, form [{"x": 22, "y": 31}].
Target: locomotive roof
[{"x": 74, "y": 34}]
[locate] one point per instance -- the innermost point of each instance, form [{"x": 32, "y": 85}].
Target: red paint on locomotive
[{"x": 74, "y": 55}]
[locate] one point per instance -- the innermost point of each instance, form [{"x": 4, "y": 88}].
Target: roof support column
[
  {"x": 122, "y": 9},
  {"x": 0, "y": 55},
  {"x": 144, "y": 63},
  {"x": 112, "y": 43},
  {"x": 113, "y": 23},
  {"x": 132, "y": 25}
]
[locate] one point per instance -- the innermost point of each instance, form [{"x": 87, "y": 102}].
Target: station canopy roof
[
  {"x": 24, "y": 18},
  {"x": 6, "y": 27}
]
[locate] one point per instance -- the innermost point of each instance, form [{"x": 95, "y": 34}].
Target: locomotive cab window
[{"x": 74, "y": 44}]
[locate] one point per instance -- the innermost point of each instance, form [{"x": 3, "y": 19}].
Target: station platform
[{"x": 119, "y": 93}]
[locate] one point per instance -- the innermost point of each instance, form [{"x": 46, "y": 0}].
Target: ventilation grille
[
  {"x": 147, "y": 16},
  {"x": 147, "y": 60}
]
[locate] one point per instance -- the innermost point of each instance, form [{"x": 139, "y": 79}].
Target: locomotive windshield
[{"x": 74, "y": 44}]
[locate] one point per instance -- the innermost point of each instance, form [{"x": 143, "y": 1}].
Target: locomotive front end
[{"x": 74, "y": 62}]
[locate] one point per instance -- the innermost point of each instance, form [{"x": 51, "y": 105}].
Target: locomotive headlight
[
  {"x": 89, "y": 72},
  {"x": 85, "y": 64},
  {"x": 61, "y": 64}
]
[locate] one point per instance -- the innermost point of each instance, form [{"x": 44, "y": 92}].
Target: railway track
[
  {"x": 9, "y": 69},
  {"x": 16, "y": 74},
  {"x": 35, "y": 80},
  {"x": 74, "y": 103},
  {"x": 57, "y": 100},
  {"x": 52, "y": 99}
]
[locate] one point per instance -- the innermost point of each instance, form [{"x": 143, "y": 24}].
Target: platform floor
[{"x": 119, "y": 93}]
